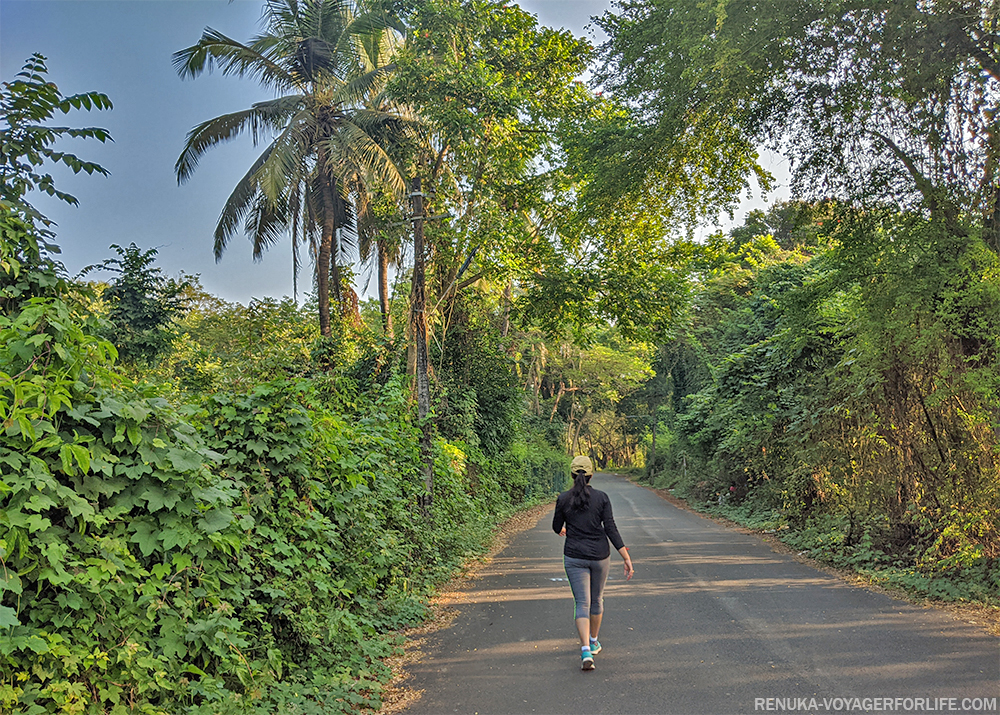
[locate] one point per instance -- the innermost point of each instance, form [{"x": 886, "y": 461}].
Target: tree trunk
[
  {"x": 572, "y": 434},
  {"x": 338, "y": 289},
  {"x": 418, "y": 316},
  {"x": 505, "y": 325},
  {"x": 326, "y": 249},
  {"x": 991, "y": 233},
  {"x": 652, "y": 451},
  {"x": 323, "y": 275},
  {"x": 383, "y": 287},
  {"x": 562, "y": 391}
]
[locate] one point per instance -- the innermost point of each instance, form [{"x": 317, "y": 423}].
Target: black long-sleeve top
[{"x": 587, "y": 531}]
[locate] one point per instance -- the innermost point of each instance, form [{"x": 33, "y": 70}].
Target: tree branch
[{"x": 938, "y": 207}]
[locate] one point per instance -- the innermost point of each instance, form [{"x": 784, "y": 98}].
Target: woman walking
[{"x": 583, "y": 515}]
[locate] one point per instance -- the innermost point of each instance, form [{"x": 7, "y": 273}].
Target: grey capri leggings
[{"x": 587, "y": 579}]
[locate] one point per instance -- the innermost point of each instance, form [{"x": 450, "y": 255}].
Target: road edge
[{"x": 396, "y": 695}]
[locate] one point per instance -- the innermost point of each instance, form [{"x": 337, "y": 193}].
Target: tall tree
[
  {"x": 312, "y": 54},
  {"x": 381, "y": 236},
  {"x": 879, "y": 101},
  {"x": 378, "y": 210},
  {"x": 490, "y": 84}
]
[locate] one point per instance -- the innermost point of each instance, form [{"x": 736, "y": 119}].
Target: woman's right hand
[{"x": 628, "y": 562}]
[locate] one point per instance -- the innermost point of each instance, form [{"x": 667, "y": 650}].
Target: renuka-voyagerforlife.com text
[{"x": 883, "y": 704}]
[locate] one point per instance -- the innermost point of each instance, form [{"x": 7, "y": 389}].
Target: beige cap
[{"x": 582, "y": 464}]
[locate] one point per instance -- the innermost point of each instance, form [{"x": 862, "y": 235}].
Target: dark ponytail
[{"x": 579, "y": 495}]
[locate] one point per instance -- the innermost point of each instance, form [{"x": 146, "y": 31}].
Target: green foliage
[
  {"x": 253, "y": 557},
  {"x": 482, "y": 66},
  {"x": 829, "y": 539},
  {"x": 627, "y": 278},
  {"x": 142, "y": 303},
  {"x": 113, "y": 535},
  {"x": 579, "y": 390},
  {"x": 894, "y": 116},
  {"x": 481, "y": 402},
  {"x": 851, "y": 392},
  {"x": 26, "y": 143},
  {"x": 249, "y": 553},
  {"x": 667, "y": 144}
]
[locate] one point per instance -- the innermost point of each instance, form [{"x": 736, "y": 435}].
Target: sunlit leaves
[{"x": 492, "y": 85}]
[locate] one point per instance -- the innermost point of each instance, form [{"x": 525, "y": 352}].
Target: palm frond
[
  {"x": 289, "y": 157},
  {"x": 354, "y": 148},
  {"x": 266, "y": 223},
  {"x": 262, "y": 116},
  {"x": 374, "y": 22},
  {"x": 217, "y": 50},
  {"x": 376, "y": 35},
  {"x": 237, "y": 205},
  {"x": 388, "y": 126},
  {"x": 363, "y": 88}
]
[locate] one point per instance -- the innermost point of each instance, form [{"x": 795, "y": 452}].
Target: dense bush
[
  {"x": 854, "y": 389},
  {"x": 113, "y": 533},
  {"x": 252, "y": 552}
]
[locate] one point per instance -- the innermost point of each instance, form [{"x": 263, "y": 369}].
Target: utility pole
[{"x": 418, "y": 316}]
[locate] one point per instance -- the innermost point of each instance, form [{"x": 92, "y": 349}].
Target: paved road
[{"x": 713, "y": 622}]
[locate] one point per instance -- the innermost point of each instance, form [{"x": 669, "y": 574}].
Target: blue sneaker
[
  {"x": 595, "y": 647},
  {"x": 587, "y": 659}
]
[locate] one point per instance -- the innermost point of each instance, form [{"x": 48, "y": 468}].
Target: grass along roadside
[{"x": 875, "y": 577}]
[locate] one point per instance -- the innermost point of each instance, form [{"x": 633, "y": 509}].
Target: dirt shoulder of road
[
  {"x": 396, "y": 696},
  {"x": 980, "y": 615}
]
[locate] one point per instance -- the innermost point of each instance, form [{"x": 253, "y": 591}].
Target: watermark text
[{"x": 882, "y": 704}]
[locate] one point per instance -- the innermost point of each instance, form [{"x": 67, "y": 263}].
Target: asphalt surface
[{"x": 713, "y": 622}]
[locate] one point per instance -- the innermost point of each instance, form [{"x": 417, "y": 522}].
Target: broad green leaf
[
  {"x": 184, "y": 460},
  {"x": 8, "y": 617},
  {"x": 37, "y": 644},
  {"x": 216, "y": 520},
  {"x": 145, "y": 535},
  {"x": 159, "y": 498}
]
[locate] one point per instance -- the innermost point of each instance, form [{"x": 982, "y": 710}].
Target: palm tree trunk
[
  {"x": 383, "y": 286},
  {"x": 327, "y": 247},
  {"x": 323, "y": 276},
  {"x": 338, "y": 289}
]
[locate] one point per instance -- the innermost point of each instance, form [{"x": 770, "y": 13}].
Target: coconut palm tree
[{"x": 315, "y": 55}]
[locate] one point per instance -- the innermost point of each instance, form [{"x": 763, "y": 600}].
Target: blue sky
[{"x": 123, "y": 48}]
